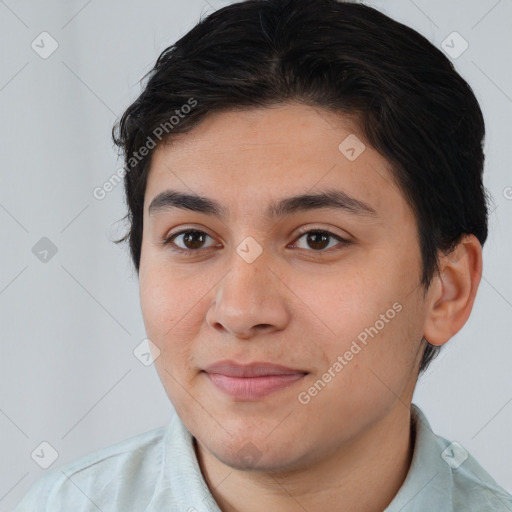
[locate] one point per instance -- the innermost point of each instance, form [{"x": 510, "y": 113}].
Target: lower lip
[{"x": 252, "y": 388}]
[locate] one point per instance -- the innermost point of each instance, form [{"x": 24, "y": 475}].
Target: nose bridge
[{"x": 245, "y": 284}]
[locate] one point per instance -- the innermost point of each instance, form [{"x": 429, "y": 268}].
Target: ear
[{"x": 453, "y": 290}]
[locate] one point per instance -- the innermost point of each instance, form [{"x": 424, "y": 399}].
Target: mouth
[{"x": 251, "y": 381}]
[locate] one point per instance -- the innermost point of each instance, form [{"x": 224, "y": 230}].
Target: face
[{"x": 326, "y": 293}]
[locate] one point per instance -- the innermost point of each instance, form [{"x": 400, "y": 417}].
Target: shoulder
[
  {"x": 461, "y": 480},
  {"x": 474, "y": 489},
  {"x": 124, "y": 470}
]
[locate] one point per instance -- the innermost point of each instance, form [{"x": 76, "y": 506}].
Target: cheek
[
  {"x": 168, "y": 322},
  {"x": 157, "y": 303},
  {"x": 162, "y": 307},
  {"x": 348, "y": 301},
  {"x": 365, "y": 378},
  {"x": 174, "y": 305},
  {"x": 168, "y": 298},
  {"x": 374, "y": 318}
]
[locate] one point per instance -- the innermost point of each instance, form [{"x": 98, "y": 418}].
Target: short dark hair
[{"x": 409, "y": 102}]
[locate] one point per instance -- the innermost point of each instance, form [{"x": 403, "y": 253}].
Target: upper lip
[{"x": 256, "y": 369}]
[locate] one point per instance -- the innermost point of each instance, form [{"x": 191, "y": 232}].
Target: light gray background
[{"x": 69, "y": 326}]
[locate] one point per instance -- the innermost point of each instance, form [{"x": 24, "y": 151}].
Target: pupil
[
  {"x": 314, "y": 235},
  {"x": 190, "y": 236}
]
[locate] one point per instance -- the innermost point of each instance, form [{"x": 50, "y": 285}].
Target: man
[{"x": 307, "y": 215}]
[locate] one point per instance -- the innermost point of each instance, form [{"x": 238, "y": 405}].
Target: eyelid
[
  {"x": 168, "y": 239},
  {"x": 307, "y": 229}
]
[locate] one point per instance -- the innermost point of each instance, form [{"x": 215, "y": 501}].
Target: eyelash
[{"x": 190, "y": 252}]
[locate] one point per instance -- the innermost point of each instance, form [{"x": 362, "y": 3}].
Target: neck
[{"x": 364, "y": 475}]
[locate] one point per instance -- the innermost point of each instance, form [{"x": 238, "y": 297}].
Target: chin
[{"x": 259, "y": 455}]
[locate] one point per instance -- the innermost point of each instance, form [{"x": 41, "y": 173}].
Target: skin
[{"x": 296, "y": 307}]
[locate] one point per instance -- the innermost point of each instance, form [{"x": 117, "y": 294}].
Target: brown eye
[
  {"x": 318, "y": 240},
  {"x": 192, "y": 240}
]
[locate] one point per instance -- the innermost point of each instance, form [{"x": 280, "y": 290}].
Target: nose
[{"x": 251, "y": 299}]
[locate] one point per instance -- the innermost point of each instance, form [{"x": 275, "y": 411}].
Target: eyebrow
[{"x": 331, "y": 198}]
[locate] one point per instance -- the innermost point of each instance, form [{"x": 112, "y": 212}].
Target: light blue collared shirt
[{"x": 158, "y": 471}]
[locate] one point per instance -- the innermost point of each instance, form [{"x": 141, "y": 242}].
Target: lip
[{"x": 251, "y": 381}]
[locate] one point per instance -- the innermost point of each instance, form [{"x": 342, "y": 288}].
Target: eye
[
  {"x": 192, "y": 240},
  {"x": 317, "y": 238}
]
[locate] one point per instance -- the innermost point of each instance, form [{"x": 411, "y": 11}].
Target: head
[{"x": 335, "y": 102}]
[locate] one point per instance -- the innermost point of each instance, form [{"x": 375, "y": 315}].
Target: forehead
[{"x": 249, "y": 159}]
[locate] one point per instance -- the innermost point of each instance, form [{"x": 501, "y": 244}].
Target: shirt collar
[
  {"x": 429, "y": 483},
  {"x": 182, "y": 473}
]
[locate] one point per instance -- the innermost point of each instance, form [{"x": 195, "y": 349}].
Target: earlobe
[{"x": 453, "y": 291}]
